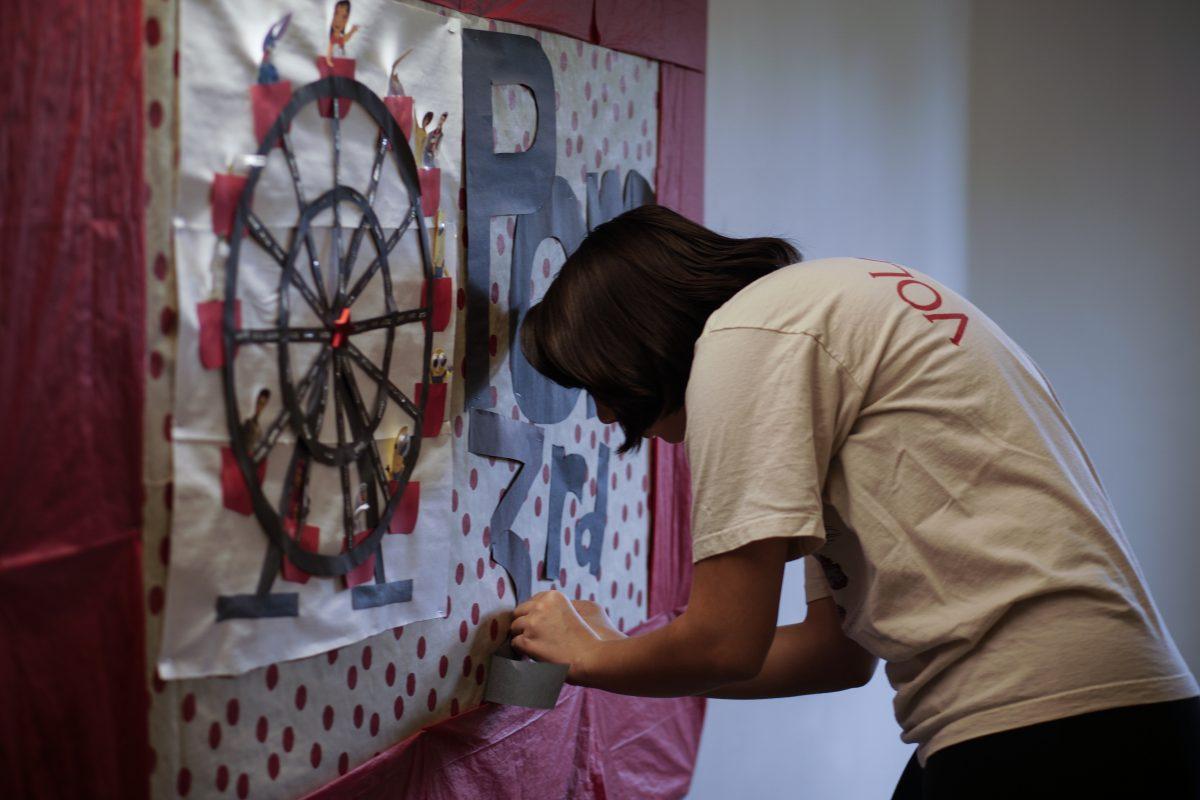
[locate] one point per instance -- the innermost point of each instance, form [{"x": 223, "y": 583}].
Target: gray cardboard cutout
[
  {"x": 541, "y": 400},
  {"x": 498, "y": 437},
  {"x": 498, "y": 183}
]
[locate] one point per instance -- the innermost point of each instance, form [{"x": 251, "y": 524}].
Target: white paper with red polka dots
[{"x": 285, "y": 729}]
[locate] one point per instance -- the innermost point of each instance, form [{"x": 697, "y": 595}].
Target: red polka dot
[
  {"x": 169, "y": 490},
  {"x": 352, "y": 677},
  {"x": 301, "y": 697},
  {"x": 479, "y": 569},
  {"x": 289, "y": 739},
  {"x": 273, "y": 765},
  {"x": 454, "y": 500},
  {"x": 222, "y": 780},
  {"x": 466, "y": 667},
  {"x": 463, "y": 631},
  {"x": 243, "y": 786},
  {"x": 214, "y": 735},
  {"x": 314, "y": 755},
  {"x": 189, "y": 707},
  {"x": 500, "y": 587},
  {"x": 231, "y": 711},
  {"x": 358, "y": 716},
  {"x": 639, "y": 597},
  {"x": 156, "y": 364},
  {"x": 421, "y": 647},
  {"x": 167, "y": 319},
  {"x": 410, "y": 685},
  {"x": 332, "y": 656},
  {"x": 466, "y": 524},
  {"x": 479, "y": 674},
  {"x": 494, "y": 630},
  {"x": 537, "y": 506},
  {"x": 153, "y": 32},
  {"x": 487, "y": 538},
  {"x": 459, "y": 574},
  {"x": 454, "y": 707},
  {"x": 327, "y": 717},
  {"x": 160, "y": 267},
  {"x": 375, "y": 724},
  {"x": 343, "y": 763},
  {"x": 155, "y": 114},
  {"x": 443, "y": 666},
  {"x": 261, "y": 729},
  {"x": 183, "y": 782},
  {"x": 562, "y": 60},
  {"x": 431, "y": 701},
  {"x": 272, "y": 677},
  {"x": 389, "y": 674},
  {"x": 366, "y": 657},
  {"x": 398, "y": 707}
]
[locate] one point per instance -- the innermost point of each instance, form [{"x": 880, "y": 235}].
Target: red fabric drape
[
  {"x": 680, "y": 178},
  {"x": 674, "y": 31},
  {"x": 72, "y": 682},
  {"x": 571, "y": 18}
]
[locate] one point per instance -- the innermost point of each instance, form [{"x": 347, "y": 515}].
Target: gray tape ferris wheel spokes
[{"x": 304, "y": 410}]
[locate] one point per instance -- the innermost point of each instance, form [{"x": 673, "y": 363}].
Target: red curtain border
[
  {"x": 671, "y": 31},
  {"x": 72, "y": 302}
]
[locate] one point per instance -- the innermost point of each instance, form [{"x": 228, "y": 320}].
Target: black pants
[{"x": 1150, "y": 751}]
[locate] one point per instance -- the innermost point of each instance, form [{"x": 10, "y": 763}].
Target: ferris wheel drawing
[{"x": 333, "y": 393}]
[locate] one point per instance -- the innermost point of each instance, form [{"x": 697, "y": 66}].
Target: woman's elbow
[
  {"x": 736, "y": 661},
  {"x": 860, "y": 670}
]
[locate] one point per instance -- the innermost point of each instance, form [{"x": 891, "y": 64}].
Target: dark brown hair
[{"x": 623, "y": 315}]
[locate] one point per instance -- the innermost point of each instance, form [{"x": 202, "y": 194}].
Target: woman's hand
[{"x": 547, "y": 627}]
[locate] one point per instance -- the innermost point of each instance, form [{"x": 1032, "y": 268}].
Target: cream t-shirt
[{"x": 890, "y": 429}]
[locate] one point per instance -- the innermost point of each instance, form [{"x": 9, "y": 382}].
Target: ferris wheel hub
[{"x": 341, "y": 329}]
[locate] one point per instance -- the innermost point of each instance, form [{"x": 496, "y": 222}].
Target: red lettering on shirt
[{"x": 932, "y": 305}]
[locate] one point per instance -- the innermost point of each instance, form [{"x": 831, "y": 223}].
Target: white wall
[
  {"x": 843, "y": 127},
  {"x": 1084, "y": 236},
  {"x": 1043, "y": 158}
]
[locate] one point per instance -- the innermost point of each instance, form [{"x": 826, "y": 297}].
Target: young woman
[{"x": 861, "y": 414}]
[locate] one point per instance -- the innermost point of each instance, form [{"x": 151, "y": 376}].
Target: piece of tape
[{"x": 531, "y": 684}]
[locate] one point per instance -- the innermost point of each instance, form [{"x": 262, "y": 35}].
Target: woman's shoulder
[{"x": 796, "y": 298}]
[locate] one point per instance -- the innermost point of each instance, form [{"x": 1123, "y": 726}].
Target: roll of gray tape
[{"x": 531, "y": 684}]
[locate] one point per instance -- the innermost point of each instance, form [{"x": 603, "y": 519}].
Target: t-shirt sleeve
[
  {"x": 815, "y": 584},
  {"x": 766, "y": 411}
]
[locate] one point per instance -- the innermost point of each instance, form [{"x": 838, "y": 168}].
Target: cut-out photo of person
[
  {"x": 339, "y": 37},
  {"x": 400, "y": 448},
  {"x": 439, "y": 247},
  {"x": 266, "y": 67},
  {"x": 438, "y": 366},
  {"x": 420, "y": 132},
  {"x": 433, "y": 141},
  {"x": 364, "y": 503},
  {"x": 395, "y": 86},
  {"x": 251, "y": 430}
]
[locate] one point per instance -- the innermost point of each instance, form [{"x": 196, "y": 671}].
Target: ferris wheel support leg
[
  {"x": 257, "y": 606},
  {"x": 373, "y": 595}
]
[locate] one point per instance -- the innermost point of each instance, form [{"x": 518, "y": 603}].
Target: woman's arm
[
  {"x": 722, "y": 637},
  {"x": 810, "y": 657}
]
